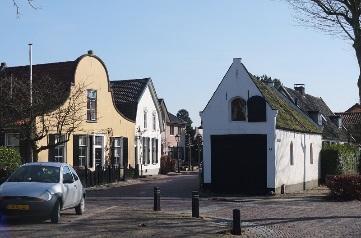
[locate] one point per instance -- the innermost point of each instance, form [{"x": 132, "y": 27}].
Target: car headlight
[{"x": 46, "y": 196}]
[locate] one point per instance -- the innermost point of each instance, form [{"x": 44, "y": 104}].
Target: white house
[
  {"x": 137, "y": 100},
  {"x": 256, "y": 140}
]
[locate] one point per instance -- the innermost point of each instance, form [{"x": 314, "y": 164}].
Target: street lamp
[
  {"x": 177, "y": 139},
  {"x": 139, "y": 159}
]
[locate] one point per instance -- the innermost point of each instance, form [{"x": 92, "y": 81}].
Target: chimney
[
  {"x": 270, "y": 82},
  {"x": 2, "y": 66},
  {"x": 337, "y": 120},
  {"x": 237, "y": 60},
  {"x": 300, "y": 88},
  {"x": 90, "y": 52}
]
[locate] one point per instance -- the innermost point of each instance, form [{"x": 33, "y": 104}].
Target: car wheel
[
  {"x": 55, "y": 214},
  {"x": 80, "y": 209}
]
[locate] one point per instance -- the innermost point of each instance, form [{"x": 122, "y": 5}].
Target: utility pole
[
  {"x": 31, "y": 102},
  {"x": 190, "y": 153}
]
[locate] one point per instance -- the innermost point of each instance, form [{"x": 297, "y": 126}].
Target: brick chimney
[{"x": 300, "y": 88}]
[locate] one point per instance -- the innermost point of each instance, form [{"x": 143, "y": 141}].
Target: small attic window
[{"x": 238, "y": 109}]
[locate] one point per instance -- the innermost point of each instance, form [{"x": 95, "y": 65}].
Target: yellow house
[{"x": 105, "y": 136}]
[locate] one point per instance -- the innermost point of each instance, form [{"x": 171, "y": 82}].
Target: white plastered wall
[
  {"x": 302, "y": 170},
  {"x": 216, "y": 118}
]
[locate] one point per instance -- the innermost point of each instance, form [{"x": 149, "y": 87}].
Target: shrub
[
  {"x": 9, "y": 161},
  {"x": 167, "y": 164},
  {"x": 344, "y": 187},
  {"x": 337, "y": 159}
]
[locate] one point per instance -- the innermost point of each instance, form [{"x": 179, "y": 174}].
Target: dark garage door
[{"x": 239, "y": 164}]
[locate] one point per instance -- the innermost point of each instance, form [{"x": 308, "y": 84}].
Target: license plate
[{"x": 18, "y": 207}]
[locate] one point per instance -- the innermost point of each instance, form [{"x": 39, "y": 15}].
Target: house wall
[
  {"x": 91, "y": 72},
  {"x": 146, "y": 103},
  {"x": 171, "y": 140},
  {"x": 302, "y": 171},
  {"x": 216, "y": 118}
]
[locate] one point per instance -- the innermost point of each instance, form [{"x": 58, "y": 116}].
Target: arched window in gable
[
  {"x": 238, "y": 109},
  {"x": 256, "y": 106}
]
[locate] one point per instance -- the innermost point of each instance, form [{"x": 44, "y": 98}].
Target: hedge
[
  {"x": 344, "y": 187},
  {"x": 339, "y": 159},
  {"x": 10, "y": 160},
  {"x": 167, "y": 164}
]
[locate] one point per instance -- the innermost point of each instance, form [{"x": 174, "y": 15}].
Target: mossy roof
[{"x": 289, "y": 117}]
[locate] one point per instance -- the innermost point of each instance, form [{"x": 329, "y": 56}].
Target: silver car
[{"x": 42, "y": 190}]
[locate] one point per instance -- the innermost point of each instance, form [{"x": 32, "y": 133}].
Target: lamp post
[
  {"x": 139, "y": 159},
  {"x": 177, "y": 139}
]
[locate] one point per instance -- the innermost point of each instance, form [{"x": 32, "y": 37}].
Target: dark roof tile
[{"x": 126, "y": 94}]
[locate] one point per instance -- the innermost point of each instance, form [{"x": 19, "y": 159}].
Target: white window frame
[
  {"x": 145, "y": 117},
  {"x": 154, "y": 119},
  {"x": 14, "y": 146},
  {"x": 95, "y": 146},
  {"x": 83, "y": 158},
  {"x": 57, "y": 157},
  {"x": 91, "y": 112}
]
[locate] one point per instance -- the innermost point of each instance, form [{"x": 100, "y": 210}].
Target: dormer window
[{"x": 238, "y": 109}]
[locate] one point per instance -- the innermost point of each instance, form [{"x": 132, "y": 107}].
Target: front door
[{"x": 98, "y": 156}]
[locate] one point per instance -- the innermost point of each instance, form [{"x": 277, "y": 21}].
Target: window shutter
[
  {"x": 256, "y": 109},
  {"x": 112, "y": 152},
  {"x": 156, "y": 151},
  {"x": 51, "y": 150},
  {"x": 2, "y": 139},
  {"x": 76, "y": 150},
  {"x": 90, "y": 157},
  {"x": 125, "y": 152}
]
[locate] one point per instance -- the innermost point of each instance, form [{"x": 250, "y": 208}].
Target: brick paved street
[{"x": 127, "y": 211}]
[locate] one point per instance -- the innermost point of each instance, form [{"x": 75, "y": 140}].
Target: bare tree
[
  {"x": 17, "y": 5},
  {"x": 58, "y": 108},
  {"x": 339, "y": 17}
]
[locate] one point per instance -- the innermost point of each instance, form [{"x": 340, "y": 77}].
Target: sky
[{"x": 185, "y": 46}]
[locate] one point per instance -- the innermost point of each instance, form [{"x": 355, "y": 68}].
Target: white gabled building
[
  {"x": 137, "y": 100},
  {"x": 256, "y": 140}
]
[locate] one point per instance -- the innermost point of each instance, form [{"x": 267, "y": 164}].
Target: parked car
[{"x": 42, "y": 190}]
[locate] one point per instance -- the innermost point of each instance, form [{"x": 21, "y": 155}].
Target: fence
[{"x": 101, "y": 175}]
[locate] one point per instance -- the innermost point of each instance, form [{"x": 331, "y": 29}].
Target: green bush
[
  {"x": 344, "y": 187},
  {"x": 167, "y": 164},
  {"x": 9, "y": 159},
  {"x": 338, "y": 159}
]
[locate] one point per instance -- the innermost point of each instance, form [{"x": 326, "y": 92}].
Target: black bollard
[
  {"x": 156, "y": 199},
  {"x": 195, "y": 204},
  {"x": 236, "y": 228}
]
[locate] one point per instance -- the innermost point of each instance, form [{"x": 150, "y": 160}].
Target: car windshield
[{"x": 36, "y": 173}]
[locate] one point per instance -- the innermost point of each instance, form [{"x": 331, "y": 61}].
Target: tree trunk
[{"x": 357, "y": 47}]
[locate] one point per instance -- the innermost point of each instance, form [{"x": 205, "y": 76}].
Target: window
[
  {"x": 179, "y": 130},
  {"x": 83, "y": 147},
  {"x": 238, "y": 109},
  {"x": 145, "y": 119},
  {"x": 12, "y": 140},
  {"x": 117, "y": 151},
  {"x": 99, "y": 150},
  {"x": 91, "y": 105},
  {"x": 154, "y": 121},
  {"x": 146, "y": 150},
  {"x": 291, "y": 154},
  {"x": 172, "y": 130},
  {"x": 59, "y": 150},
  {"x": 311, "y": 154},
  {"x": 154, "y": 151}
]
